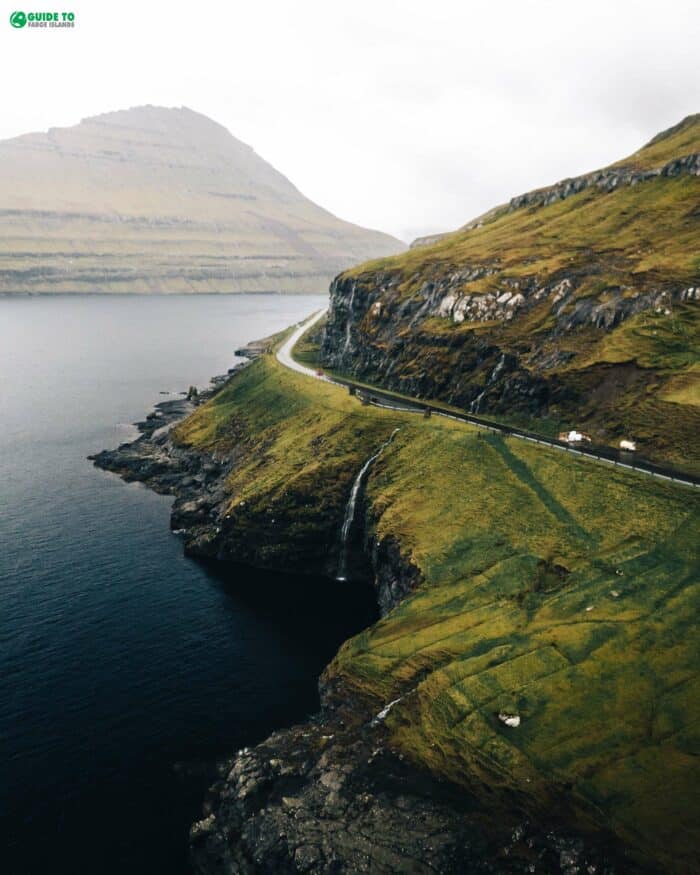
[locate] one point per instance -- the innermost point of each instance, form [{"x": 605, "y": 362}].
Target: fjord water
[{"x": 120, "y": 658}]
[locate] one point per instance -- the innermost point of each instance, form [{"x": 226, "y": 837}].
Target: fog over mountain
[{"x": 162, "y": 200}]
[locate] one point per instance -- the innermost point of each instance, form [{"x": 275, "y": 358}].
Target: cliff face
[
  {"x": 162, "y": 200},
  {"x": 577, "y": 303},
  {"x": 528, "y": 701},
  {"x": 510, "y": 586}
]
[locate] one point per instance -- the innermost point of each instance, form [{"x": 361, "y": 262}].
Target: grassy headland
[{"x": 554, "y": 588}]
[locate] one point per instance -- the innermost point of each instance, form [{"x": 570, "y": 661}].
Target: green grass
[
  {"x": 607, "y": 696},
  {"x": 515, "y": 543},
  {"x": 638, "y": 379},
  {"x": 298, "y": 454},
  {"x": 631, "y": 232},
  {"x": 665, "y": 342},
  {"x": 681, "y": 139},
  {"x": 308, "y": 349}
]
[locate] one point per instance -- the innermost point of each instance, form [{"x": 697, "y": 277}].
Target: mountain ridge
[
  {"x": 154, "y": 199},
  {"x": 572, "y": 305},
  {"x": 528, "y": 699},
  {"x": 688, "y": 122}
]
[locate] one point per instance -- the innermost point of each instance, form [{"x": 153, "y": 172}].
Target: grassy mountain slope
[
  {"x": 553, "y": 588},
  {"x": 162, "y": 200},
  {"x": 577, "y": 303}
]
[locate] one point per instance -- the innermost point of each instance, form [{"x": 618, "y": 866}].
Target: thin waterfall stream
[{"x": 350, "y": 508}]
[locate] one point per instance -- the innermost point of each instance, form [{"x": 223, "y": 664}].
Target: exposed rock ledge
[
  {"x": 607, "y": 180},
  {"x": 196, "y": 479},
  {"x": 330, "y": 795}
]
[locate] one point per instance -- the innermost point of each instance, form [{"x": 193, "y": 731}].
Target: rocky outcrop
[
  {"x": 525, "y": 311},
  {"x": 606, "y": 180},
  {"x": 268, "y": 537},
  {"x": 196, "y": 479},
  {"x": 394, "y": 575},
  {"x": 359, "y": 304},
  {"x": 376, "y": 334},
  {"x": 263, "y": 535},
  {"x": 332, "y": 796}
]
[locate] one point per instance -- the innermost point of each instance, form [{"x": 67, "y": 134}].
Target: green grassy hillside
[
  {"x": 555, "y": 589},
  {"x": 578, "y": 303}
]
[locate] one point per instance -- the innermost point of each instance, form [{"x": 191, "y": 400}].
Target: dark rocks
[
  {"x": 395, "y": 576},
  {"x": 607, "y": 180},
  {"x": 166, "y": 413},
  {"x": 255, "y": 348},
  {"x": 196, "y": 479},
  {"x": 331, "y": 796},
  {"x": 379, "y": 336},
  {"x": 323, "y": 798}
]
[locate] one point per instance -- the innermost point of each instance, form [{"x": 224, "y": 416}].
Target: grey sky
[{"x": 406, "y": 116}]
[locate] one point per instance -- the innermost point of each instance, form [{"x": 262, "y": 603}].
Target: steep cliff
[
  {"x": 162, "y": 200},
  {"x": 512, "y": 588},
  {"x": 577, "y": 304}
]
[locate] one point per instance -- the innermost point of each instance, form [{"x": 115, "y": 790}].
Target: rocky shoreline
[
  {"x": 195, "y": 479},
  {"x": 331, "y": 795}
]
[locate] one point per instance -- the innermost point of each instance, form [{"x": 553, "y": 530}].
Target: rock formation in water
[{"x": 162, "y": 200}]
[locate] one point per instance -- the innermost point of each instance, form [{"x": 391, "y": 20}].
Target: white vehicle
[{"x": 573, "y": 436}]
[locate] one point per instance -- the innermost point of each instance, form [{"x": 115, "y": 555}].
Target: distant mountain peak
[
  {"x": 158, "y": 117},
  {"x": 158, "y": 199}
]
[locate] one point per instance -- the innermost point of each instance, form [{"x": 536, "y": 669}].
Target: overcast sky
[{"x": 410, "y": 117}]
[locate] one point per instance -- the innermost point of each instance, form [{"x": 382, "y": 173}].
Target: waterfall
[
  {"x": 497, "y": 370},
  {"x": 348, "y": 324},
  {"x": 476, "y": 403},
  {"x": 350, "y": 508},
  {"x": 475, "y": 406}
]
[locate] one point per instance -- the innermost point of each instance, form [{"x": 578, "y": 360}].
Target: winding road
[
  {"x": 284, "y": 353},
  {"x": 380, "y": 398}
]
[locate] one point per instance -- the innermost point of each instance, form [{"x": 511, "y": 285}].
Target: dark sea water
[{"x": 119, "y": 658}]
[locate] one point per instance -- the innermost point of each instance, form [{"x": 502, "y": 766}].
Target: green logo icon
[{"x": 18, "y": 19}]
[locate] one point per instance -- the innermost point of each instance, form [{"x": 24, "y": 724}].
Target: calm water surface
[{"x": 119, "y": 658}]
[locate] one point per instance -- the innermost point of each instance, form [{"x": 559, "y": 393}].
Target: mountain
[
  {"x": 528, "y": 700},
  {"x": 162, "y": 200},
  {"x": 571, "y": 306}
]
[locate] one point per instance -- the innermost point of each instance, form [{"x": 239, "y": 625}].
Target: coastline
[
  {"x": 23, "y": 293},
  {"x": 332, "y": 794}
]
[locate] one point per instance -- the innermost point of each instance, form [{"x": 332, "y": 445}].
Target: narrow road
[
  {"x": 284, "y": 353},
  {"x": 380, "y": 398}
]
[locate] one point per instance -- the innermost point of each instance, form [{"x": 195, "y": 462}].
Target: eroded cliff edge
[{"x": 511, "y": 587}]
